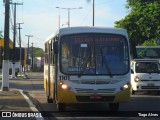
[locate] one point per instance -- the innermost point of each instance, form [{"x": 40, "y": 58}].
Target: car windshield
[
  {"x": 147, "y": 67},
  {"x": 96, "y": 54}
]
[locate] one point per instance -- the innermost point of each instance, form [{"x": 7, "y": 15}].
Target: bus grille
[
  {"x": 150, "y": 87},
  {"x": 82, "y": 90},
  {"x": 94, "y": 81},
  {"x": 151, "y": 80},
  {"x": 87, "y": 99}
]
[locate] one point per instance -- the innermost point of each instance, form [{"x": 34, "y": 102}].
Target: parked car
[{"x": 145, "y": 75}]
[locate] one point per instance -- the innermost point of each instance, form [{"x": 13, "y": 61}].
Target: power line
[
  {"x": 14, "y": 39},
  {"x": 20, "y": 44}
]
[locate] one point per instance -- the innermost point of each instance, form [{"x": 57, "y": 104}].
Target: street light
[
  {"x": 59, "y": 24},
  {"x": 68, "y": 13}
]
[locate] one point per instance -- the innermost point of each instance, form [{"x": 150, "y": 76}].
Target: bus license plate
[{"x": 96, "y": 97}]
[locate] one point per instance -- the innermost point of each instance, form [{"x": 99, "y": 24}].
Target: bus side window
[{"x": 55, "y": 47}]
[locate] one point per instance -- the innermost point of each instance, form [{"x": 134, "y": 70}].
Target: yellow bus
[{"x": 87, "y": 65}]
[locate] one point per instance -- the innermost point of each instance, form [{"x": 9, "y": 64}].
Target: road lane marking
[{"x": 31, "y": 105}]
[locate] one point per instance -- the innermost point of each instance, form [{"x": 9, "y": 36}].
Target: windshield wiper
[
  {"x": 83, "y": 67},
  {"x": 106, "y": 64}
]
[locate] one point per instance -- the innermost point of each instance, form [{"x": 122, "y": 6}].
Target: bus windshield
[{"x": 94, "y": 53}]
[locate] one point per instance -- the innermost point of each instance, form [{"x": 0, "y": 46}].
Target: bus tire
[
  {"x": 114, "y": 106},
  {"x": 49, "y": 100},
  {"x": 61, "y": 107}
]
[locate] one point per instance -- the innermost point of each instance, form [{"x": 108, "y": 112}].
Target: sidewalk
[
  {"x": 14, "y": 100},
  {"x": 15, "y": 105}
]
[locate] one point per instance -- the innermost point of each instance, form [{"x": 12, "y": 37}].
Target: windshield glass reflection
[{"x": 94, "y": 54}]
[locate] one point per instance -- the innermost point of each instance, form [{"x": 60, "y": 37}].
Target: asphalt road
[{"x": 141, "y": 104}]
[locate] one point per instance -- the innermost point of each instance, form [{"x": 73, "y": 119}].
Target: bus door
[{"x": 55, "y": 58}]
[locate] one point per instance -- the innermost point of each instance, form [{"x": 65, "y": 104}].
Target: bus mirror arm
[
  {"x": 55, "y": 47},
  {"x": 132, "y": 72}
]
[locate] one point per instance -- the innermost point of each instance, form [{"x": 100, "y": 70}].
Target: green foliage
[
  {"x": 143, "y": 21},
  {"x": 1, "y": 34},
  {"x": 38, "y": 52}
]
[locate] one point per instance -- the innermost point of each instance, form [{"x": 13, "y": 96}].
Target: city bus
[{"x": 87, "y": 65}]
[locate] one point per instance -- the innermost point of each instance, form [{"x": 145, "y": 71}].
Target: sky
[{"x": 40, "y": 18}]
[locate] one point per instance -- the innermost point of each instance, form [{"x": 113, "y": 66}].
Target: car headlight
[{"x": 136, "y": 79}]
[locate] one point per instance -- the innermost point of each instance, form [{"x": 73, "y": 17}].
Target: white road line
[{"x": 32, "y": 106}]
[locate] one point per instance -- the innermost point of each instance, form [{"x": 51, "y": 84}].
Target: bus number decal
[{"x": 63, "y": 77}]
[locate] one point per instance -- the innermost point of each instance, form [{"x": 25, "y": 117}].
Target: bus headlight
[
  {"x": 64, "y": 86},
  {"x": 136, "y": 79},
  {"x": 125, "y": 86}
]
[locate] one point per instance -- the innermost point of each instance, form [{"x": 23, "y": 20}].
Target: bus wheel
[
  {"x": 114, "y": 106},
  {"x": 61, "y": 107}
]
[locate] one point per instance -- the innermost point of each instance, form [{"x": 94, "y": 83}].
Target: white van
[{"x": 145, "y": 75}]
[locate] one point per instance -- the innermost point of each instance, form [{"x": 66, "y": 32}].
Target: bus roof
[{"x": 74, "y": 30}]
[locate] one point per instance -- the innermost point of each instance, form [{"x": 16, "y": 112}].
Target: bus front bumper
[{"x": 69, "y": 97}]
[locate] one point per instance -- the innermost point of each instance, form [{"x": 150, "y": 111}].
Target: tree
[
  {"x": 1, "y": 34},
  {"x": 38, "y": 52},
  {"x": 143, "y": 21}
]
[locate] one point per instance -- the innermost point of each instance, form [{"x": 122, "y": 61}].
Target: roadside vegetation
[{"x": 142, "y": 22}]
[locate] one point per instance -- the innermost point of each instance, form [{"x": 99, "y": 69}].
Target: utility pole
[
  {"x": 59, "y": 19},
  {"x": 20, "y": 47},
  {"x": 28, "y": 49},
  {"x": 32, "y": 59},
  {"x": 14, "y": 40},
  {"x": 93, "y": 12},
  {"x": 5, "y": 70}
]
